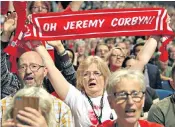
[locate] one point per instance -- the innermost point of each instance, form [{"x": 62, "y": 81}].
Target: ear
[
  {"x": 45, "y": 71},
  {"x": 111, "y": 102}
]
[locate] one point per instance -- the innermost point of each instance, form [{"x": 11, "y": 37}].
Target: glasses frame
[
  {"x": 89, "y": 74},
  {"x": 37, "y": 8},
  {"x": 26, "y": 66},
  {"x": 129, "y": 94}
]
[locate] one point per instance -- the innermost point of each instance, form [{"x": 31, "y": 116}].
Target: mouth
[
  {"x": 130, "y": 112},
  {"x": 28, "y": 78},
  {"x": 92, "y": 84}
]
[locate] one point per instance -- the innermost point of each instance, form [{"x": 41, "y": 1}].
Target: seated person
[
  {"x": 43, "y": 118},
  {"x": 163, "y": 112}
]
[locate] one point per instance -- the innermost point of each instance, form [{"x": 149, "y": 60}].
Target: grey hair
[
  {"x": 45, "y": 103},
  {"x": 117, "y": 76}
]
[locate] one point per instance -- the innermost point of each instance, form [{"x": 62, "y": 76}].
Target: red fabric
[
  {"x": 4, "y": 7},
  {"x": 55, "y": 94},
  {"x": 99, "y": 23},
  {"x": 130, "y": 22},
  {"x": 163, "y": 49},
  {"x": 143, "y": 123}
]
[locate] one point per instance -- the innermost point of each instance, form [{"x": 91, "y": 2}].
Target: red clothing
[{"x": 143, "y": 123}]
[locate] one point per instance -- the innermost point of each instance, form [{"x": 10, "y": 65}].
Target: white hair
[
  {"x": 45, "y": 103},
  {"x": 117, "y": 76}
]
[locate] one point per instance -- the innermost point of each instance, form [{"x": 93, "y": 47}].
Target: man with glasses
[
  {"x": 31, "y": 72},
  {"x": 126, "y": 94}
]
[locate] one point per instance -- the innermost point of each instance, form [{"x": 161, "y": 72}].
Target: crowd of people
[{"x": 109, "y": 82}]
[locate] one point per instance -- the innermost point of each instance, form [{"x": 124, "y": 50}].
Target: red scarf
[{"x": 90, "y": 24}]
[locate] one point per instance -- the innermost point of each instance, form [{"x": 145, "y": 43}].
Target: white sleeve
[{"x": 73, "y": 98}]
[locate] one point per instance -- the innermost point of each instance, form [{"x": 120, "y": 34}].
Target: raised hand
[
  {"x": 9, "y": 26},
  {"x": 10, "y": 22}
]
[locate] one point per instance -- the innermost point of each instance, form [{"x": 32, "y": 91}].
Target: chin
[{"x": 131, "y": 120}]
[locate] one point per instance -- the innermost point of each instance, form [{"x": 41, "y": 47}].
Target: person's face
[
  {"x": 172, "y": 53},
  {"x": 33, "y": 75},
  {"x": 123, "y": 46},
  {"x": 93, "y": 81},
  {"x": 138, "y": 49},
  {"x": 102, "y": 51},
  {"x": 127, "y": 110},
  {"x": 116, "y": 58},
  {"x": 163, "y": 65},
  {"x": 130, "y": 63},
  {"x": 110, "y": 44},
  {"x": 39, "y": 7},
  {"x": 81, "y": 49}
]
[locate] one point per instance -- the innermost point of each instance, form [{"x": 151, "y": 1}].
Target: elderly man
[
  {"x": 31, "y": 72},
  {"x": 163, "y": 112}
]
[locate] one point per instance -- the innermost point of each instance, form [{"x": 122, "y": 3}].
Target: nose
[
  {"x": 91, "y": 76},
  {"x": 28, "y": 70},
  {"x": 130, "y": 100}
]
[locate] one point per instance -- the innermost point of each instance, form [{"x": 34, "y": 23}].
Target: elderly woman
[
  {"x": 126, "y": 94},
  {"x": 150, "y": 93},
  {"x": 88, "y": 103},
  {"x": 115, "y": 58},
  {"x": 42, "y": 118},
  {"x": 89, "y": 106}
]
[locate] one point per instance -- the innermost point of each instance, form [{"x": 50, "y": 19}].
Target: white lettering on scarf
[
  {"x": 132, "y": 21},
  {"x": 84, "y": 24}
]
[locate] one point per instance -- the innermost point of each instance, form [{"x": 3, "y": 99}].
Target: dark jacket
[{"x": 154, "y": 76}]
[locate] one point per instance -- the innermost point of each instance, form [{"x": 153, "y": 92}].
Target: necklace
[{"x": 101, "y": 107}]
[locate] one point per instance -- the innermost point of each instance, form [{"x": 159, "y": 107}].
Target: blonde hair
[
  {"x": 101, "y": 65},
  {"x": 110, "y": 53},
  {"x": 45, "y": 103},
  {"x": 130, "y": 74}
]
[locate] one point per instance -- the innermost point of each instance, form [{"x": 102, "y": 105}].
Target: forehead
[
  {"x": 38, "y": 3},
  {"x": 122, "y": 44},
  {"x": 30, "y": 57},
  {"x": 92, "y": 67},
  {"x": 128, "y": 84},
  {"x": 104, "y": 47},
  {"x": 116, "y": 51}
]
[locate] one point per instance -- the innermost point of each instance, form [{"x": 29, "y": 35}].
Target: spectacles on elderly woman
[
  {"x": 33, "y": 67},
  {"x": 123, "y": 96},
  {"x": 37, "y": 8},
  {"x": 96, "y": 74}
]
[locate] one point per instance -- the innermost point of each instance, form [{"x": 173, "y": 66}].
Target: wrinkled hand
[
  {"x": 32, "y": 117},
  {"x": 8, "y": 123},
  {"x": 10, "y": 22}
]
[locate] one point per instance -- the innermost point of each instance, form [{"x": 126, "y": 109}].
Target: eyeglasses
[
  {"x": 37, "y": 8},
  {"x": 96, "y": 74},
  {"x": 123, "y": 96},
  {"x": 117, "y": 56},
  {"x": 33, "y": 67}
]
